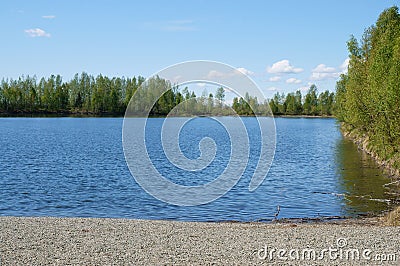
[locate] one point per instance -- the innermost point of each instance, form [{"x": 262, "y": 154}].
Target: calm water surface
[{"x": 76, "y": 167}]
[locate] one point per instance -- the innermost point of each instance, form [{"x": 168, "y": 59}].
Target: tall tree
[
  {"x": 220, "y": 94},
  {"x": 311, "y": 101},
  {"x": 368, "y": 96}
]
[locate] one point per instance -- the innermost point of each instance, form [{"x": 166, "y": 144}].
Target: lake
[{"x": 75, "y": 167}]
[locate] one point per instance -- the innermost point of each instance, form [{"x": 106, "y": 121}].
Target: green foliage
[
  {"x": 368, "y": 96},
  {"x": 83, "y": 94},
  {"x": 220, "y": 95},
  {"x": 242, "y": 107},
  {"x": 250, "y": 106},
  {"x": 311, "y": 101},
  {"x": 86, "y": 94},
  {"x": 312, "y": 104},
  {"x": 293, "y": 103}
]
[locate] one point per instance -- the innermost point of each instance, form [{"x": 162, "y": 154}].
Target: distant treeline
[
  {"x": 312, "y": 104},
  {"x": 100, "y": 95},
  {"x": 83, "y": 94},
  {"x": 368, "y": 97}
]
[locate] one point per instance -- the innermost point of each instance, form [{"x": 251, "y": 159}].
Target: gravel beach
[{"x": 90, "y": 241}]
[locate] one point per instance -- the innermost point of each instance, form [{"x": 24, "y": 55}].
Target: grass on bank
[{"x": 392, "y": 218}]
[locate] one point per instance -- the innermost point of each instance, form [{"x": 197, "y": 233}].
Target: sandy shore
[{"x": 61, "y": 241}]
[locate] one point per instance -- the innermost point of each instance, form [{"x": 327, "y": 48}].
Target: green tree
[
  {"x": 298, "y": 102},
  {"x": 220, "y": 94},
  {"x": 368, "y": 96},
  {"x": 274, "y": 106},
  {"x": 290, "y": 104},
  {"x": 311, "y": 101}
]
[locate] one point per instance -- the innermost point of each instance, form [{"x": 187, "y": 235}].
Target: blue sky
[{"x": 284, "y": 45}]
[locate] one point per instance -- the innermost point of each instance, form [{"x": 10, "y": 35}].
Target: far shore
[
  {"x": 59, "y": 114},
  {"x": 121, "y": 115},
  {"x": 305, "y": 116}
]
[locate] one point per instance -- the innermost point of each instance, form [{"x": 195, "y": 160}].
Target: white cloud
[
  {"x": 283, "y": 67},
  {"x": 306, "y": 87},
  {"x": 37, "y": 33},
  {"x": 237, "y": 72},
  {"x": 201, "y": 84},
  {"x": 245, "y": 71},
  {"x": 49, "y": 17},
  {"x": 216, "y": 74},
  {"x": 323, "y": 76},
  {"x": 293, "y": 81},
  {"x": 322, "y": 68},
  {"x": 274, "y": 79},
  {"x": 176, "y": 79},
  {"x": 303, "y": 89},
  {"x": 322, "y": 72},
  {"x": 344, "y": 66},
  {"x": 272, "y": 89}
]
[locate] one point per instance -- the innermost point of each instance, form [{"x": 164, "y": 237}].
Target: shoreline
[
  {"x": 118, "y": 115},
  {"x": 60, "y": 114},
  {"x": 362, "y": 141},
  {"x": 99, "y": 241},
  {"x": 304, "y": 116},
  {"x": 392, "y": 217}
]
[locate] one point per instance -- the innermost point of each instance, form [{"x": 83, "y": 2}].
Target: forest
[
  {"x": 89, "y": 95},
  {"x": 312, "y": 103},
  {"x": 83, "y": 94},
  {"x": 368, "y": 96}
]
